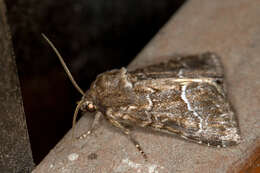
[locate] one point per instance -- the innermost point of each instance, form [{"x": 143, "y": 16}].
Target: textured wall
[{"x": 15, "y": 150}]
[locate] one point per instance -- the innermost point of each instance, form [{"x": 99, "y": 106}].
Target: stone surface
[
  {"x": 15, "y": 151},
  {"x": 230, "y": 29}
]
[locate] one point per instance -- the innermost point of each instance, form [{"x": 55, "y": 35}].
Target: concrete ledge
[{"x": 230, "y": 29}]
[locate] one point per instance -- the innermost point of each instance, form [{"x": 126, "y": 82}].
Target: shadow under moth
[{"x": 185, "y": 97}]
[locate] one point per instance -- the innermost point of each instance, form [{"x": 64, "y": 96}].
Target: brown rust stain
[{"x": 250, "y": 165}]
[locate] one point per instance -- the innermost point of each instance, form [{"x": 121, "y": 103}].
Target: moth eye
[
  {"x": 91, "y": 107},
  {"x": 88, "y": 106}
]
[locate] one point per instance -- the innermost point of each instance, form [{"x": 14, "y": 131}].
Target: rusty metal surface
[
  {"x": 15, "y": 151},
  {"x": 228, "y": 28}
]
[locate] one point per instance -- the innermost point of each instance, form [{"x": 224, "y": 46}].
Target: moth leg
[
  {"x": 94, "y": 125},
  {"x": 149, "y": 120},
  {"x": 127, "y": 132}
]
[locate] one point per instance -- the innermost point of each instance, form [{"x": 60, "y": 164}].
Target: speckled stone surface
[{"x": 230, "y": 29}]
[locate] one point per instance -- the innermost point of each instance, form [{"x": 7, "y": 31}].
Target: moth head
[{"x": 88, "y": 106}]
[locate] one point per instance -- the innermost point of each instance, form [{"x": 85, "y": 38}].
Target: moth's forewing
[{"x": 184, "y": 96}]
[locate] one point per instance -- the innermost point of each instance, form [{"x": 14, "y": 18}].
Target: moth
[{"x": 184, "y": 96}]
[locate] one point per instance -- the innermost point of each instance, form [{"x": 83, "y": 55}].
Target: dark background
[{"x": 92, "y": 35}]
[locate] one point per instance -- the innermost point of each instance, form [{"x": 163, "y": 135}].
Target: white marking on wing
[
  {"x": 185, "y": 99},
  {"x": 150, "y": 103}
]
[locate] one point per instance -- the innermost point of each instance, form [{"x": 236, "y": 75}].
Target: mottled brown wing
[
  {"x": 184, "y": 96},
  {"x": 191, "y": 66}
]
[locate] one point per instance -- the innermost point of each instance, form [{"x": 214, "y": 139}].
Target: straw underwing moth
[{"x": 184, "y": 96}]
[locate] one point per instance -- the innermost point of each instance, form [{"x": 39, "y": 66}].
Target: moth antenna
[
  {"x": 75, "y": 116},
  {"x": 64, "y": 65}
]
